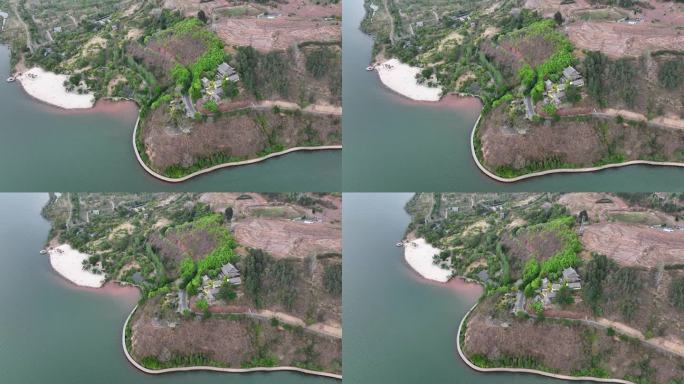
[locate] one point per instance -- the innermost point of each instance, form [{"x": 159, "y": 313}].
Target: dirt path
[
  {"x": 71, "y": 210},
  {"x": 26, "y": 28},
  {"x": 320, "y": 328},
  {"x": 663, "y": 121},
  {"x": 210, "y": 368},
  {"x": 73, "y": 19},
  {"x": 391, "y": 36},
  {"x": 324, "y": 109},
  {"x": 666, "y": 345}
]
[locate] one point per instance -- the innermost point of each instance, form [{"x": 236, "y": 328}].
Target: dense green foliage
[
  {"x": 567, "y": 256},
  {"x": 210, "y": 264},
  {"x": 153, "y": 362},
  {"x": 211, "y": 106},
  {"x": 318, "y": 62},
  {"x": 283, "y": 274},
  {"x": 263, "y": 74},
  {"x": 595, "y": 273},
  {"x": 202, "y": 305},
  {"x": 606, "y": 77},
  {"x": 227, "y": 292},
  {"x": 676, "y": 293},
  {"x": 332, "y": 279},
  {"x": 253, "y": 267},
  {"x": 671, "y": 73},
  {"x": 564, "y": 296},
  {"x": 553, "y": 65}
]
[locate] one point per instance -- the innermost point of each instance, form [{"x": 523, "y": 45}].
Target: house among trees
[
  {"x": 572, "y": 76},
  {"x": 224, "y": 70},
  {"x": 555, "y": 93},
  {"x": 575, "y": 286},
  {"x": 519, "y": 305},
  {"x": 229, "y": 271},
  {"x": 230, "y": 274},
  {"x": 570, "y": 275}
]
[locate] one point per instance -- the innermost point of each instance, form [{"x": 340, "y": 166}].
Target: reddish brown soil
[
  {"x": 175, "y": 245},
  {"x": 228, "y": 341},
  {"x": 577, "y": 202},
  {"x": 220, "y": 201},
  {"x": 525, "y": 338},
  {"x": 161, "y": 54},
  {"x": 299, "y": 22},
  {"x": 529, "y": 244},
  {"x": 562, "y": 348},
  {"x": 280, "y": 33},
  {"x": 578, "y": 142},
  {"x": 237, "y": 136}
]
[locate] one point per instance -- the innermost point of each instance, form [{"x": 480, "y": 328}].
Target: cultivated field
[
  {"x": 269, "y": 26},
  {"x": 286, "y": 238},
  {"x": 622, "y": 39},
  {"x": 281, "y": 33},
  {"x": 635, "y": 245}
]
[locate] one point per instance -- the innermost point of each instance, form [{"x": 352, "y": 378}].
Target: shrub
[
  {"x": 564, "y": 296},
  {"x": 332, "y": 279},
  {"x": 676, "y": 293},
  {"x": 202, "y": 305},
  {"x": 671, "y": 73},
  {"x": 211, "y": 106}
]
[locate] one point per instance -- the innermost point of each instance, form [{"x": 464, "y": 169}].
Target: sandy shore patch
[
  {"x": 49, "y": 88},
  {"x": 68, "y": 262},
  {"x": 401, "y": 78},
  {"x": 418, "y": 254}
]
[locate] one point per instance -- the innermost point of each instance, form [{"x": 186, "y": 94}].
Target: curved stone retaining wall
[{"x": 210, "y": 368}]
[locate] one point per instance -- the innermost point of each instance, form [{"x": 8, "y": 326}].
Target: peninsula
[
  {"x": 578, "y": 286},
  {"x": 569, "y": 86},
  {"x": 229, "y": 282},
  {"x": 217, "y": 83}
]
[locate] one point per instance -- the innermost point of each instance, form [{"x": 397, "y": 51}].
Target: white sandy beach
[
  {"x": 401, "y": 78},
  {"x": 68, "y": 262},
  {"x": 418, "y": 254},
  {"x": 49, "y": 88}
]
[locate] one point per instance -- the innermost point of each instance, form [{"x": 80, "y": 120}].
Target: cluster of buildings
[
  {"x": 210, "y": 287},
  {"x": 555, "y": 93},
  {"x": 546, "y": 293},
  {"x": 213, "y": 89},
  {"x": 548, "y": 290}
]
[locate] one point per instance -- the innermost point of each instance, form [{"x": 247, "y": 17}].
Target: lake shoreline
[
  {"x": 47, "y": 87},
  {"x": 455, "y": 100},
  {"x": 458, "y": 284},
  {"x": 120, "y": 107},
  {"x": 172, "y": 180},
  {"x": 67, "y": 262},
  {"x": 498, "y": 178},
  {"x": 474, "y": 367}
]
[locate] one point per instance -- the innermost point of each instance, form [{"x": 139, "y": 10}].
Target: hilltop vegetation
[
  {"x": 195, "y": 73},
  {"x": 551, "y": 302},
  {"x": 512, "y": 55},
  {"x": 208, "y": 296}
]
